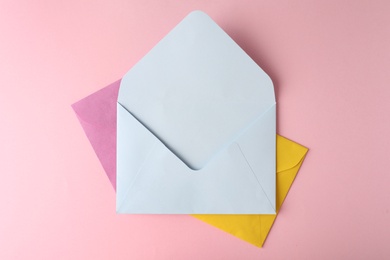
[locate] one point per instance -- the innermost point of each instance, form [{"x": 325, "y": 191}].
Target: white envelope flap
[
  {"x": 196, "y": 117},
  {"x": 196, "y": 90}
]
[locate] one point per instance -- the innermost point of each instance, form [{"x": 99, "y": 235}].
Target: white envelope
[{"x": 196, "y": 127}]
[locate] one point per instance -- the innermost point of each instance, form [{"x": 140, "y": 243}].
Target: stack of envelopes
[{"x": 191, "y": 129}]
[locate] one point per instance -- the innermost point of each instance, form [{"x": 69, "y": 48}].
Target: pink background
[{"x": 329, "y": 60}]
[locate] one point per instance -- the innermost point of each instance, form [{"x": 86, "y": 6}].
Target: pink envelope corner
[{"x": 97, "y": 116}]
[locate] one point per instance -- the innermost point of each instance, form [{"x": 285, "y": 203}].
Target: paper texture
[
  {"x": 97, "y": 115},
  {"x": 196, "y": 127}
]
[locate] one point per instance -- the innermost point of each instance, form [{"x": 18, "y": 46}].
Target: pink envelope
[{"x": 97, "y": 116}]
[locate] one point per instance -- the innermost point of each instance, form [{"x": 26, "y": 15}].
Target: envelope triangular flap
[
  {"x": 291, "y": 153},
  {"x": 196, "y": 90}
]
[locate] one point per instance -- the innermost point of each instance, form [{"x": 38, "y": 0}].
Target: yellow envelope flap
[
  {"x": 289, "y": 153},
  {"x": 290, "y": 156},
  {"x": 255, "y": 228}
]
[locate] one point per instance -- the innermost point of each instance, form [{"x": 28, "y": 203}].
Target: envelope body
[
  {"x": 196, "y": 127},
  {"x": 97, "y": 115}
]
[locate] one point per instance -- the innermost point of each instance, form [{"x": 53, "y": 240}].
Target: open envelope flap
[
  {"x": 202, "y": 104},
  {"x": 151, "y": 179},
  {"x": 196, "y": 90}
]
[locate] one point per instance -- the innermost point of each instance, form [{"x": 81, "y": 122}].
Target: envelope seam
[
  {"x": 245, "y": 129},
  {"x": 300, "y": 161},
  {"x": 136, "y": 176},
  {"x": 284, "y": 171},
  {"x": 257, "y": 179}
]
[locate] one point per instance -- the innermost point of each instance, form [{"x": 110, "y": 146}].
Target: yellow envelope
[{"x": 255, "y": 228}]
